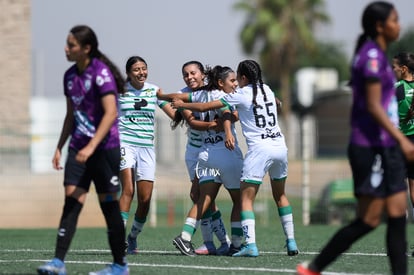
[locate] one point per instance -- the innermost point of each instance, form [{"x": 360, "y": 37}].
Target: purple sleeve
[
  {"x": 371, "y": 63},
  {"x": 104, "y": 80}
]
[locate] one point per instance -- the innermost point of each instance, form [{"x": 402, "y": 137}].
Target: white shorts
[
  {"x": 191, "y": 157},
  {"x": 221, "y": 166},
  {"x": 141, "y": 159},
  {"x": 262, "y": 159}
]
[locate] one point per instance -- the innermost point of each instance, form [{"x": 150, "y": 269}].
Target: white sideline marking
[{"x": 258, "y": 269}]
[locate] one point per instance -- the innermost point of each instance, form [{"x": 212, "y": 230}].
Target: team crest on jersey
[
  {"x": 373, "y": 65},
  {"x": 148, "y": 92},
  {"x": 372, "y": 53},
  {"x": 87, "y": 84}
]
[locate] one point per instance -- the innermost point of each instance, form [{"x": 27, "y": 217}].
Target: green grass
[{"x": 21, "y": 251}]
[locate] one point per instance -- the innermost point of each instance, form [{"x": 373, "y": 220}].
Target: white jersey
[
  {"x": 136, "y": 115},
  {"x": 193, "y": 136},
  {"x": 211, "y": 138},
  {"x": 259, "y": 123}
]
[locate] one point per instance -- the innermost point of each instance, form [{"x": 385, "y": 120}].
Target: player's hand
[
  {"x": 230, "y": 142},
  {"x": 218, "y": 125},
  {"x": 83, "y": 155},
  {"x": 159, "y": 93},
  {"x": 56, "y": 160},
  {"x": 278, "y": 103},
  {"x": 177, "y": 103}
]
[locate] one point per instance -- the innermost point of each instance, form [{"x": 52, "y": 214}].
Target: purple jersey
[
  {"x": 85, "y": 92},
  {"x": 371, "y": 63}
]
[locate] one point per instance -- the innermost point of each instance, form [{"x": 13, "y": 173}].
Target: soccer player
[
  {"x": 376, "y": 146},
  {"x": 91, "y": 86},
  {"x": 267, "y": 151},
  {"x": 193, "y": 73},
  {"x": 137, "y": 106},
  {"x": 403, "y": 66},
  {"x": 216, "y": 165}
]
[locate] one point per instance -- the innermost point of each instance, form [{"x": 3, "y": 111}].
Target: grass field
[{"x": 21, "y": 251}]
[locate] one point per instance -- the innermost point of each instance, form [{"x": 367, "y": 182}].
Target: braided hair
[{"x": 251, "y": 69}]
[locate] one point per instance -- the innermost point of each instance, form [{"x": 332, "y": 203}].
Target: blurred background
[{"x": 303, "y": 46}]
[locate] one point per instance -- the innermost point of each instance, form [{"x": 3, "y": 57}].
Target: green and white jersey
[
  {"x": 259, "y": 123},
  {"x": 194, "y": 138},
  {"x": 136, "y": 115},
  {"x": 405, "y": 92}
]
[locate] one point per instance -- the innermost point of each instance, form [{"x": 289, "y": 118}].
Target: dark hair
[
  {"x": 407, "y": 59},
  {"x": 252, "y": 71},
  {"x": 193, "y": 62},
  {"x": 86, "y": 36},
  {"x": 178, "y": 117},
  {"x": 131, "y": 61},
  {"x": 378, "y": 11},
  {"x": 215, "y": 74}
]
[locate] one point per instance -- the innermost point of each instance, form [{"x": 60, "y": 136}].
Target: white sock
[{"x": 249, "y": 230}]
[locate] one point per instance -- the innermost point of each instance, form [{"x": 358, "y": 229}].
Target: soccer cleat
[
  {"x": 207, "y": 248},
  {"x": 185, "y": 247},
  {"x": 249, "y": 250},
  {"x": 223, "y": 249},
  {"x": 113, "y": 269},
  {"x": 132, "y": 245},
  {"x": 292, "y": 248},
  {"x": 303, "y": 269},
  {"x": 233, "y": 250},
  {"x": 54, "y": 267}
]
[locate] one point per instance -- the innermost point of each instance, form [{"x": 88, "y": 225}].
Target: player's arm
[
  {"x": 64, "y": 134},
  {"x": 197, "y": 124},
  {"x": 197, "y": 106},
  {"x": 109, "y": 106},
  {"x": 169, "y": 97},
  {"x": 230, "y": 141},
  {"x": 374, "y": 107}
]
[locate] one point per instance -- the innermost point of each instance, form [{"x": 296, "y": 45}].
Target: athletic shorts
[
  {"x": 141, "y": 159},
  {"x": 220, "y": 165},
  {"x": 265, "y": 158},
  {"x": 377, "y": 171},
  {"x": 410, "y": 165},
  {"x": 102, "y": 168},
  {"x": 191, "y": 158}
]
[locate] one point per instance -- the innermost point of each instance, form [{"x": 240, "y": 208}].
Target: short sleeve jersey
[
  {"x": 371, "y": 64},
  {"x": 85, "y": 92},
  {"x": 211, "y": 138},
  {"x": 405, "y": 92},
  {"x": 194, "y": 138},
  {"x": 259, "y": 123},
  {"x": 137, "y": 114}
]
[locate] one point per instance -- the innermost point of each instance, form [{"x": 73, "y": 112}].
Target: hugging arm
[{"x": 197, "y": 106}]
